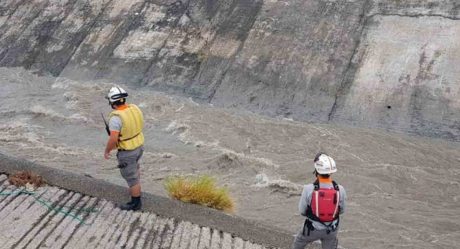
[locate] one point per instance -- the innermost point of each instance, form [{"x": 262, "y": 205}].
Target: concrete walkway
[
  {"x": 51, "y": 217},
  {"x": 76, "y": 211}
]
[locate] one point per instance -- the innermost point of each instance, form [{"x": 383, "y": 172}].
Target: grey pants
[
  {"x": 328, "y": 241},
  {"x": 128, "y": 162}
]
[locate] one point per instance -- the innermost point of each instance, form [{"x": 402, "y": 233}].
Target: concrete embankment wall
[
  {"x": 245, "y": 229},
  {"x": 387, "y": 64}
]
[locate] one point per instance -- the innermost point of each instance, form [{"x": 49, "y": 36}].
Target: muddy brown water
[{"x": 403, "y": 192}]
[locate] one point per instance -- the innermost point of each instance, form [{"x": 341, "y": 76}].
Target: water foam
[
  {"x": 185, "y": 136},
  {"x": 284, "y": 186},
  {"x": 42, "y": 111},
  {"x": 47, "y": 112},
  {"x": 181, "y": 129}
]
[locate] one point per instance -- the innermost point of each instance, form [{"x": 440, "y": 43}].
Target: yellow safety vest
[{"x": 131, "y": 136}]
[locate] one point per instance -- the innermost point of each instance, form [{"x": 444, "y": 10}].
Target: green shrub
[{"x": 199, "y": 190}]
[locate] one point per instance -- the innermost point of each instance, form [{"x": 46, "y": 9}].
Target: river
[{"x": 403, "y": 192}]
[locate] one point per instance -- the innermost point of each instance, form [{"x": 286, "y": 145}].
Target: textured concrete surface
[
  {"x": 313, "y": 60},
  {"x": 51, "y": 217},
  {"x": 210, "y": 228},
  {"x": 408, "y": 88}
]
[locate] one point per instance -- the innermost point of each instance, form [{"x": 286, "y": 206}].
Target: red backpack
[{"x": 324, "y": 206}]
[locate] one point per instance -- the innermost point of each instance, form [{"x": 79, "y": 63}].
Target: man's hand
[
  {"x": 107, "y": 155},
  {"x": 111, "y": 143}
]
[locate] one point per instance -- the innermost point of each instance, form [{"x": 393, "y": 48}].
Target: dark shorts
[{"x": 128, "y": 162}]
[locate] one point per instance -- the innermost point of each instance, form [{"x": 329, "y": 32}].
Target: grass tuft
[{"x": 200, "y": 190}]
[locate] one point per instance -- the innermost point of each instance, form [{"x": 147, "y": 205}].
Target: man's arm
[
  {"x": 343, "y": 197},
  {"x": 304, "y": 198},
  {"x": 115, "y": 128},
  {"x": 111, "y": 143}
]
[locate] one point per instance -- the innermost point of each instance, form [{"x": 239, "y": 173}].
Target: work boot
[{"x": 132, "y": 206}]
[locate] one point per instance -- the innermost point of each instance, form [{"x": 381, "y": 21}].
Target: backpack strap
[
  {"x": 316, "y": 185},
  {"x": 311, "y": 217},
  {"x": 307, "y": 224},
  {"x": 336, "y": 186}
]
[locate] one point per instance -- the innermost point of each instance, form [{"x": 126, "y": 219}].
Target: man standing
[
  {"x": 321, "y": 203},
  {"x": 125, "y": 126}
]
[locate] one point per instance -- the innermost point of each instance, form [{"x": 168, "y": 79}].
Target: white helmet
[
  {"x": 116, "y": 93},
  {"x": 324, "y": 164}
]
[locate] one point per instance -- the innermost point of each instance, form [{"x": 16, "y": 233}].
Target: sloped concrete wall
[
  {"x": 295, "y": 58},
  {"x": 408, "y": 77},
  {"x": 406, "y": 73},
  {"x": 376, "y": 63}
]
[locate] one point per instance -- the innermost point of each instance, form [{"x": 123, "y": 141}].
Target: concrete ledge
[{"x": 246, "y": 229}]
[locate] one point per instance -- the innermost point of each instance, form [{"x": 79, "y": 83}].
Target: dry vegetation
[
  {"x": 21, "y": 178},
  {"x": 199, "y": 190}
]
